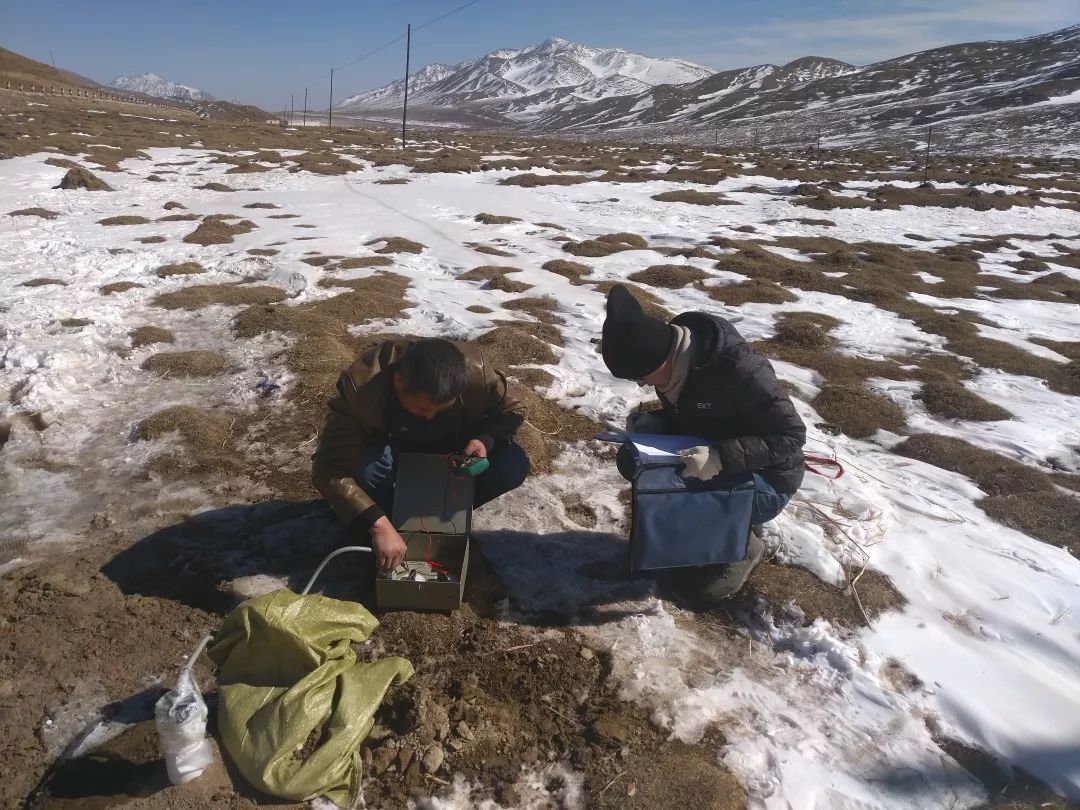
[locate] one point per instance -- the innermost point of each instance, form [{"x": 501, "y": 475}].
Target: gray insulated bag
[{"x": 679, "y": 522}]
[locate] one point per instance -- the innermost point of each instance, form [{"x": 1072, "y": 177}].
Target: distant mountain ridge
[
  {"x": 150, "y": 84},
  {"x": 996, "y": 95}
]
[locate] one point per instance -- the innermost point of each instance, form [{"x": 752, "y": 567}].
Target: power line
[{"x": 447, "y": 14}]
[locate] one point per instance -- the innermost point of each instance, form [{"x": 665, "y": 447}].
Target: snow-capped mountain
[
  {"x": 151, "y": 84},
  {"x": 566, "y": 70},
  {"x": 997, "y": 95}
]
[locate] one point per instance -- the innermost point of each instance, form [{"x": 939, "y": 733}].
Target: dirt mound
[
  {"x": 858, "y": 412},
  {"x": 669, "y": 276},
  {"x": 754, "y": 291},
  {"x": 197, "y": 296},
  {"x": 125, "y": 219},
  {"x": 185, "y": 364},
  {"x": 530, "y": 180},
  {"x": 574, "y": 271},
  {"x": 396, "y": 244},
  {"x": 952, "y": 400},
  {"x": 182, "y": 269},
  {"x": 694, "y": 197},
  {"x": 119, "y": 287},
  {"x": 43, "y": 213},
  {"x": 148, "y": 335},
  {"x": 78, "y": 177},
  {"x": 495, "y": 219}
]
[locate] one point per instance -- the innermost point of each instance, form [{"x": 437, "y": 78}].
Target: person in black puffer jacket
[{"x": 712, "y": 384}]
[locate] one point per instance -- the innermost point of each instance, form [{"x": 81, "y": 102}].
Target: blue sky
[{"x": 260, "y": 51}]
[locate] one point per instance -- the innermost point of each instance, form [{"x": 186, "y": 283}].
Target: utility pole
[
  {"x": 330, "y": 123},
  {"x": 292, "y": 109},
  {"x": 926, "y": 164},
  {"x": 405, "y": 106},
  {"x": 305, "y": 106}
]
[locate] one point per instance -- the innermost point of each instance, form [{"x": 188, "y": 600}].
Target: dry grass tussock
[
  {"x": 574, "y": 271},
  {"x": 858, "y": 412},
  {"x": 182, "y": 269},
  {"x": 42, "y": 213},
  {"x": 149, "y": 335},
  {"x": 496, "y": 278},
  {"x": 784, "y": 584},
  {"x": 396, "y": 244},
  {"x": 178, "y": 218},
  {"x": 78, "y": 177},
  {"x": 197, "y": 296},
  {"x": 950, "y": 399},
  {"x": 495, "y": 219},
  {"x": 124, "y": 219},
  {"x": 669, "y": 276},
  {"x": 541, "y": 308},
  {"x": 214, "y": 230},
  {"x": 650, "y": 303},
  {"x": 530, "y": 180},
  {"x": 606, "y": 245},
  {"x": 206, "y": 438},
  {"x": 753, "y": 291},
  {"x": 693, "y": 197},
  {"x": 43, "y": 282},
  {"x": 119, "y": 287},
  {"x": 490, "y": 250},
  {"x": 358, "y": 262},
  {"x": 185, "y": 364},
  {"x": 1018, "y": 496}
]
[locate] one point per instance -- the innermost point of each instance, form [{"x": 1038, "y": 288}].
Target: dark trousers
[{"x": 507, "y": 470}]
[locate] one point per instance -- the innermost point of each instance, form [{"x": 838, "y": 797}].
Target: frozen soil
[{"x": 159, "y": 402}]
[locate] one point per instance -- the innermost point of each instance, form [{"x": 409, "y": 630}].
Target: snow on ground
[{"x": 991, "y": 630}]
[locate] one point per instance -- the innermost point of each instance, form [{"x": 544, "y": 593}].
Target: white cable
[
  {"x": 190, "y": 665},
  {"x": 328, "y": 558}
]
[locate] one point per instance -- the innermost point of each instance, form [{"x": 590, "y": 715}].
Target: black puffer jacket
[{"x": 732, "y": 398}]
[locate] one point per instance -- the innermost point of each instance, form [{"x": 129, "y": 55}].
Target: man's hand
[
  {"x": 645, "y": 422},
  {"x": 476, "y": 447},
  {"x": 701, "y": 462},
  {"x": 387, "y": 544}
]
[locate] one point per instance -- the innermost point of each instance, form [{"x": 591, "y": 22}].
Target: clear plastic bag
[{"x": 180, "y": 716}]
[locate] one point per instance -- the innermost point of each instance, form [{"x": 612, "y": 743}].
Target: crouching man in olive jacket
[
  {"x": 712, "y": 384},
  {"x": 423, "y": 396}
]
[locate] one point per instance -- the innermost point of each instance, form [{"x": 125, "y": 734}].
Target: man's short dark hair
[{"x": 436, "y": 368}]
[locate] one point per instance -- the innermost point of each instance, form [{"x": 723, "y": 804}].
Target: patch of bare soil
[
  {"x": 396, "y": 244},
  {"x": 197, "y": 296},
  {"x": 42, "y": 213},
  {"x": 119, "y": 287},
  {"x": 669, "y": 276},
  {"x": 952, "y": 400},
  {"x": 182, "y": 269},
  {"x": 214, "y": 230},
  {"x": 215, "y": 187},
  {"x": 531, "y": 697},
  {"x": 693, "y": 197},
  {"x": 124, "y": 219},
  {"x": 574, "y": 271},
  {"x": 78, "y": 177},
  {"x": 495, "y": 219},
  {"x": 148, "y": 335},
  {"x": 185, "y": 364}
]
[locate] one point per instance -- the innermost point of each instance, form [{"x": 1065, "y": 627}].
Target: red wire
[
  {"x": 810, "y": 461},
  {"x": 437, "y": 567}
]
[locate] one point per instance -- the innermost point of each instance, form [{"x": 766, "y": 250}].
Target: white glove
[
  {"x": 700, "y": 462},
  {"x": 645, "y": 422}
]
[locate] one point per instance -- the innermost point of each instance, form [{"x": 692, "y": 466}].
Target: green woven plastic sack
[{"x": 285, "y": 669}]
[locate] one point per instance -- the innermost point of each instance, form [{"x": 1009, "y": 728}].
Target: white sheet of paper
[{"x": 655, "y": 445}]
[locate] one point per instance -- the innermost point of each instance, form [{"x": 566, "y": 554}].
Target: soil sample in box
[{"x": 433, "y": 512}]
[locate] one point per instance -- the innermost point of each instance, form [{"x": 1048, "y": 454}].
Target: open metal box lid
[{"x": 430, "y": 497}]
